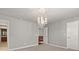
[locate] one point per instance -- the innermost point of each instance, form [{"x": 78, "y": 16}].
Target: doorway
[
  {"x": 4, "y": 35},
  {"x": 43, "y": 36},
  {"x": 3, "y": 38},
  {"x": 72, "y": 35}
]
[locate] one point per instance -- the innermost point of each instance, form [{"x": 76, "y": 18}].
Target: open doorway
[
  {"x": 3, "y": 39},
  {"x": 3, "y": 35},
  {"x": 43, "y": 36}
]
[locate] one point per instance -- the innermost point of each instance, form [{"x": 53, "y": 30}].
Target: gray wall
[
  {"x": 21, "y": 33},
  {"x": 57, "y": 32}
]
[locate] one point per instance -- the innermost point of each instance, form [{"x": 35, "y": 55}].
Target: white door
[{"x": 72, "y": 35}]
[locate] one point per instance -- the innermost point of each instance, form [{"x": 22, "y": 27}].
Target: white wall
[
  {"x": 21, "y": 32},
  {"x": 57, "y": 32}
]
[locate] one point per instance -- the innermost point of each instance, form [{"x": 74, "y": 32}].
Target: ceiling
[{"x": 53, "y": 14}]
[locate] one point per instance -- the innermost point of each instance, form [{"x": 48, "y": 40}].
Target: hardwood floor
[{"x": 3, "y": 46}]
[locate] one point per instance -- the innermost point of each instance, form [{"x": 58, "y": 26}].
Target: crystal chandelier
[{"x": 41, "y": 19}]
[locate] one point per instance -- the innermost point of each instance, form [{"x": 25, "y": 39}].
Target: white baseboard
[
  {"x": 74, "y": 49},
  {"x": 57, "y": 46},
  {"x": 22, "y": 47},
  {"x": 61, "y": 46},
  {"x": 36, "y": 45}
]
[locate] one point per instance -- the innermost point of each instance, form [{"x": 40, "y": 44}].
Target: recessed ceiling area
[{"x": 53, "y": 14}]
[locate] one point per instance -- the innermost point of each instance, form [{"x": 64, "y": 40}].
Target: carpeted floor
[{"x": 44, "y": 47}]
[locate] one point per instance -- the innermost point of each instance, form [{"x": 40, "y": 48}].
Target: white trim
[
  {"x": 61, "y": 46},
  {"x": 8, "y": 35},
  {"x": 72, "y": 48},
  {"x": 22, "y": 47},
  {"x": 57, "y": 46}
]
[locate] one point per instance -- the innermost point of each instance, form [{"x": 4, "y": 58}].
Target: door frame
[
  {"x": 6, "y": 22},
  {"x": 45, "y": 35}
]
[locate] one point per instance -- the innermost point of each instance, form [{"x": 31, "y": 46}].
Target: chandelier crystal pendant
[{"x": 42, "y": 20}]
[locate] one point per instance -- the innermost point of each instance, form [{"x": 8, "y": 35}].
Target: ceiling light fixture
[{"x": 41, "y": 19}]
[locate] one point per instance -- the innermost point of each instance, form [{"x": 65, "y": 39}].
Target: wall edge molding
[
  {"x": 22, "y": 47},
  {"x": 57, "y": 45},
  {"x": 60, "y": 46}
]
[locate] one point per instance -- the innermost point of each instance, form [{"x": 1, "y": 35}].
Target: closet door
[{"x": 72, "y": 35}]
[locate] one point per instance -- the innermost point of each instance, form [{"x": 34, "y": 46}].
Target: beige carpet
[
  {"x": 3, "y": 46},
  {"x": 44, "y": 47}
]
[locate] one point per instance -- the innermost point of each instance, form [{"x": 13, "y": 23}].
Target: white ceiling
[
  {"x": 53, "y": 14},
  {"x": 62, "y": 13}
]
